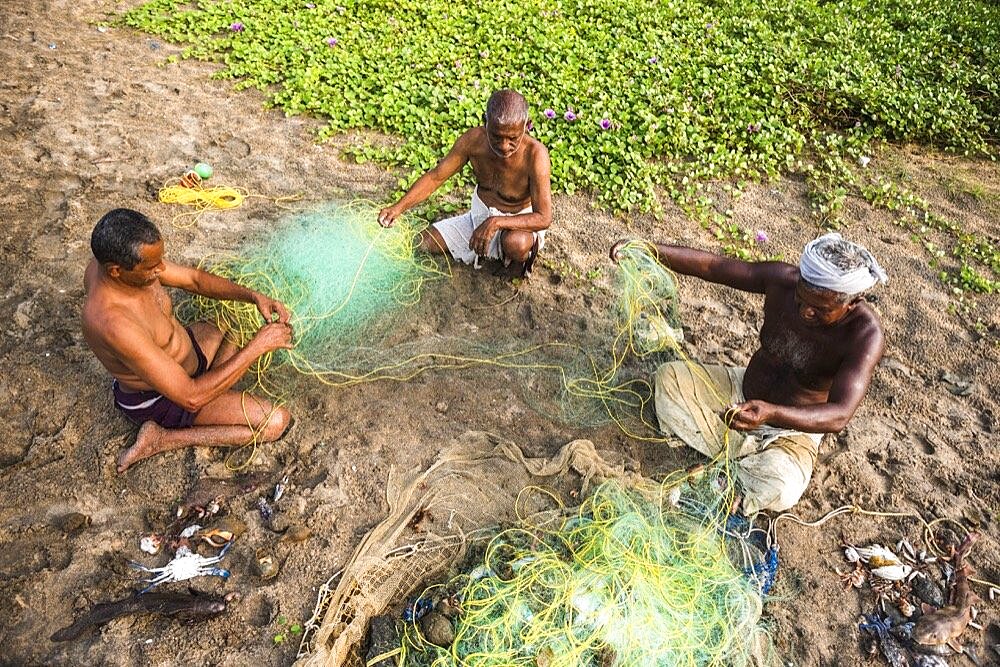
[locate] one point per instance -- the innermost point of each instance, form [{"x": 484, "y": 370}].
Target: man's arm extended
[
  {"x": 136, "y": 349},
  {"x": 849, "y": 386},
  {"x": 746, "y": 276},
  {"x": 430, "y": 181},
  {"x": 216, "y": 287}
]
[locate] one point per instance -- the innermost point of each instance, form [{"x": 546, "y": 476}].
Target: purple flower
[
  {"x": 237, "y": 26},
  {"x": 331, "y": 41},
  {"x": 760, "y": 236},
  {"x": 605, "y": 124},
  {"x": 549, "y": 113},
  {"x": 653, "y": 60},
  {"x": 569, "y": 115},
  {"x": 753, "y": 128}
]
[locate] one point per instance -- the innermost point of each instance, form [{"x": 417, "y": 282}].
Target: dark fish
[
  {"x": 925, "y": 660},
  {"x": 947, "y": 624},
  {"x": 925, "y": 588},
  {"x": 186, "y": 607},
  {"x": 892, "y": 649}
]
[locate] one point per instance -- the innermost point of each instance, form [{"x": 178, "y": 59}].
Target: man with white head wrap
[{"x": 819, "y": 346}]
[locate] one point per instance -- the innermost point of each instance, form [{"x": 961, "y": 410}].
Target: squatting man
[
  {"x": 512, "y": 202},
  {"x": 819, "y": 345},
  {"x": 174, "y": 381}
]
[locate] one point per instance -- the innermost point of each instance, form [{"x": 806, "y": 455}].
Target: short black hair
[{"x": 120, "y": 234}]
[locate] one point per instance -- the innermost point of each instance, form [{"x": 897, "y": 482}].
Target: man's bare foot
[{"x": 145, "y": 445}]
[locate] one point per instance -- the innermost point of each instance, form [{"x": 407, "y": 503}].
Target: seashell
[
  {"x": 851, "y": 554},
  {"x": 190, "y": 530},
  {"x": 906, "y": 608},
  {"x": 151, "y": 544},
  {"x": 190, "y": 179},
  {"x": 905, "y": 548},
  {"x": 232, "y": 524},
  {"x": 896, "y": 572},
  {"x": 267, "y": 565}
]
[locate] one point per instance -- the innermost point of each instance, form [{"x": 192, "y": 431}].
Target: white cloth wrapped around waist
[{"x": 457, "y": 231}]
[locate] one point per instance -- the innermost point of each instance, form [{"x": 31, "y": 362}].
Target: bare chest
[
  {"x": 155, "y": 312},
  {"x": 508, "y": 183}
]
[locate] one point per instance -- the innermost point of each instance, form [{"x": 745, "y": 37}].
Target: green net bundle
[
  {"x": 339, "y": 273},
  {"x": 632, "y": 578}
]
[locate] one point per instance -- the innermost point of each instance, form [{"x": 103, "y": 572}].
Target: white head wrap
[{"x": 816, "y": 269}]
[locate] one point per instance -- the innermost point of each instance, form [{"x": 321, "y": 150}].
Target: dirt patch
[{"x": 92, "y": 121}]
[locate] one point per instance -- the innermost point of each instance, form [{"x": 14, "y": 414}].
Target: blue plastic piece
[
  {"x": 764, "y": 573},
  {"x": 416, "y": 609}
]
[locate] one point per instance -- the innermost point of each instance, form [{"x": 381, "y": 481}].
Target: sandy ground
[{"x": 92, "y": 121}]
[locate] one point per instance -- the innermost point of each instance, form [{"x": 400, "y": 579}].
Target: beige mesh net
[{"x": 474, "y": 485}]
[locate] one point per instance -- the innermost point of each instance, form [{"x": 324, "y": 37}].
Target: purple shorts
[{"x": 151, "y": 405}]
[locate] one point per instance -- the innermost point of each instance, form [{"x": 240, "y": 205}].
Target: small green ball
[{"x": 204, "y": 170}]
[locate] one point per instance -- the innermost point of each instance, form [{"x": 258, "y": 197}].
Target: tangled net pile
[
  {"x": 355, "y": 289},
  {"x": 633, "y": 577}
]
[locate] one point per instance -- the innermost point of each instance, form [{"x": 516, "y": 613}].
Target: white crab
[{"x": 185, "y": 565}]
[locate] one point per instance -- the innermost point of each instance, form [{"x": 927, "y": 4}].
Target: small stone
[
  {"x": 441, "y": 407},
  {"x": 267, "y": 565},
  {"x": 22, "y": 314},
  {"x": 296, "y": 533},
  {"x": 74, "y": 523},
  {"x": 437, "y": 629}
]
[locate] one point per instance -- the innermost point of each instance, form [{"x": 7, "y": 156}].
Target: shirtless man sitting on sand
[
  {"x": 512, "y": 202},
  {"x": 819, "y": 345},
  {"x": 173, "y": 381}
]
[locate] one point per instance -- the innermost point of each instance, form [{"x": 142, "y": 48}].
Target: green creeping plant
[{"x": 636, "y": 99}]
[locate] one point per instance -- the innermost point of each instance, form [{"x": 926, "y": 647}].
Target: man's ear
[{"x": 113, "y": 270}]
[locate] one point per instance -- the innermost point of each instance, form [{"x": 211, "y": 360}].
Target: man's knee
[
  {"x": 208, "y": 336},
  {"x": 277, "y": 423},
  {"x": 431, "y": 241},
  {"x": 517, "y": 245}
]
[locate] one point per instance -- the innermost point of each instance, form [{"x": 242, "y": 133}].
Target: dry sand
[{"x": 92, "y": 121}]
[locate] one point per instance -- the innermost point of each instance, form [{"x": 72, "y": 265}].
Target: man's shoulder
[
  {"x": 537, "y": 148},
  {"x": 105, "y": 318},
  {"x": 778, "y": 275},
  {"x": 474, "y": 137},
  {"x": 866, "y": 322}
]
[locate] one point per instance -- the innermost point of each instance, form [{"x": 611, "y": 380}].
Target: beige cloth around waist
[{"x": 774, "y": 465}]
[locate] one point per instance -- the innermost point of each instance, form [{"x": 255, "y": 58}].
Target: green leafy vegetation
[{"x": 636, "y": 99}]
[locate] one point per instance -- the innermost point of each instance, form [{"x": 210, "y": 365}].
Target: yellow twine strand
[{"x": 209, "y": 198}]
